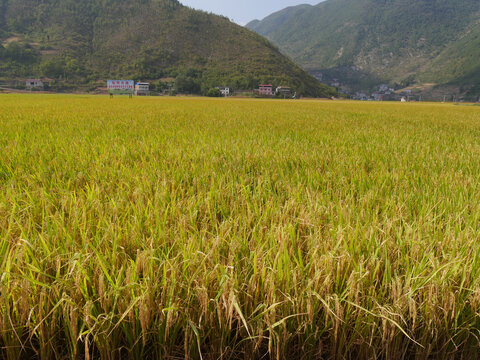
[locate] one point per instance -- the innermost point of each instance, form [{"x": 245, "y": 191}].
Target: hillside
[
  {"x": 83, "y": 41},
  {"x": 365, "y": 42}
]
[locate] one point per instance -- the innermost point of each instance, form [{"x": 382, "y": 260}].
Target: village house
[
  {"x": 266, "y": 90},
  {"x": 34, "y": 84},
  {"x": 377, "y": 96},
  {"x": 142, "y": 89},
  {"x": 360, "y": 96},
  {"x": 283, "y": 90},
  {"x": 225, "y": 91},
  {"x": 383, "y": 88}
]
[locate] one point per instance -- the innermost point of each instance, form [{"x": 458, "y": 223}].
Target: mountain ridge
[
  {"x": 393, "y": 41},
  {"x": 81, "y": 41}
]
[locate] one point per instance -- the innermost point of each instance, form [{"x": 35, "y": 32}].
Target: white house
[
  {"x": 283, "y": 90},
  {"x": 225, "y": 91},
  {"x": 142, "y": 88},
  {"x": 34, "y": 84}
]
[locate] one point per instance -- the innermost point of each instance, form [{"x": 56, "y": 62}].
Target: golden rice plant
[{"x": 238, "y": 229}]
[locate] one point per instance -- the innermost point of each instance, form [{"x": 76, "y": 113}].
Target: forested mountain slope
[
  {"x": 404, "y": 41},
  {"x": 84, "y": 40}
]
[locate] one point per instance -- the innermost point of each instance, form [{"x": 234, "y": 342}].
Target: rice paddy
[{"x": 165, "y": 228}]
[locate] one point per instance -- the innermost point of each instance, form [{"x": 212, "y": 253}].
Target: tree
[
  {"x": 214, "y": 92},
  {"x": 185, "y": 84},
  {"x": 20, "y": 53},
  {"x": 52, "y": 68}
]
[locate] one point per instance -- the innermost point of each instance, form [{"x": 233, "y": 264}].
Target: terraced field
[{"x": 238, "y": 229}]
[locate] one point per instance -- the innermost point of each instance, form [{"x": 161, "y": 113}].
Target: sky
[{"x": 243, "y": 11}]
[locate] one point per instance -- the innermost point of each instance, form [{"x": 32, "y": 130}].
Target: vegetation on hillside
[
  {"x": 401, "y": 41},
  {"x": 238, "y": 229},
  {"x": 82, "y": 41}
]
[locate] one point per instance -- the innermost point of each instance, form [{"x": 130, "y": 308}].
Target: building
[
  {"x": 383, "y": 88},
  {"x": 34, "y": 84},
  {"x": 225, "y": 91},
  {"x": 377, "y": 96},
  {"x": 142, "y": 89},
  {"x": 283, "y": 91},
  {"x": 360, "y": 96},
  {"x": 266, "y": 90}
]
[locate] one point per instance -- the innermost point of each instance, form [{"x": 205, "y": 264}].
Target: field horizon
[{"x": 198, "y": 228}]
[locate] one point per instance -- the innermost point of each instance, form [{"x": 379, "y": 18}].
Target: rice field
[{"x": 165, "y": 228}]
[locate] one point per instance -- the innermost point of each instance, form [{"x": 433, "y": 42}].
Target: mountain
[
  {"x": 86, "y": 40},
  {"x": 366, "y": 42}
]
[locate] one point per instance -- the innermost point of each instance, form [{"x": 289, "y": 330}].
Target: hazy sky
[{"x": 243, "y": 11}]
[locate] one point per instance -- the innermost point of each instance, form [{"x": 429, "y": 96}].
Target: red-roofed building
[
  {"x": 34, "y": 84},
  {"x": 266, "y": 90}
]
